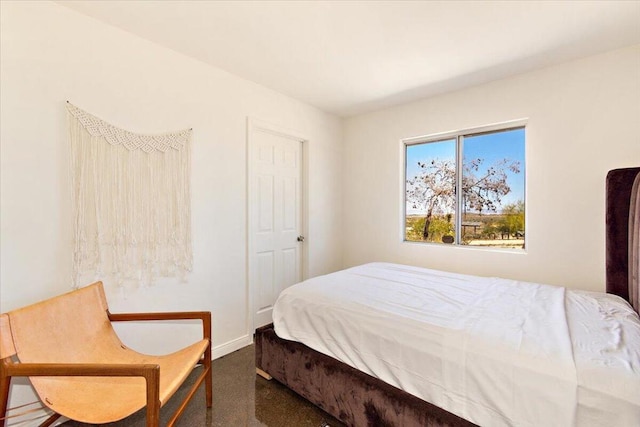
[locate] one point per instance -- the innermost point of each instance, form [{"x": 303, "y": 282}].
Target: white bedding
[{"x": 493, "y": 351}]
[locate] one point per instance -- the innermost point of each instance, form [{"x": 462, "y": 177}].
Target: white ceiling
[{"x": 350, "y": 57}]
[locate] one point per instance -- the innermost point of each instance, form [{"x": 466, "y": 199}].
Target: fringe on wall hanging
[{"x": 132, "y": 203}]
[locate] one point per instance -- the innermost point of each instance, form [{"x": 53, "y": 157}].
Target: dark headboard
[{"x": 619, "y": 186}]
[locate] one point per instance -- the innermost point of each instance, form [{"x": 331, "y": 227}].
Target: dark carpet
[{"x": 240, "y": 398}]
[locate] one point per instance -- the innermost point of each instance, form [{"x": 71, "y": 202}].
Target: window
[{"x": 488, "y": 164}]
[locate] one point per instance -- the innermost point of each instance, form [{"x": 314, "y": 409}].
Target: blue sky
[{"x": 491, "y": 147}]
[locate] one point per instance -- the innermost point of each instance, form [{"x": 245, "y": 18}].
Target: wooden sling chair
[{"x": 81, "y": 370}]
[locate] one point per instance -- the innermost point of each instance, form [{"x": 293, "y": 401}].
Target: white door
[{"x": 275, "y": 225}]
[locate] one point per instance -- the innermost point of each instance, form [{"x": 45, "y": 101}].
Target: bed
[{"x": 430, "y": 348}]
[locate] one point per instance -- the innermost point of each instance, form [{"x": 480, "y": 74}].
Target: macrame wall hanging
[{"x": 132, "y": 204}]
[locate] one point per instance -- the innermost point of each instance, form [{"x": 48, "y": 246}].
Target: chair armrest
[
  {"x": 178, "y": 315},
  {"x": 150, "y": 372},
  {"x": 205, "y": 316},
  {"x": 81, "y": 370}
]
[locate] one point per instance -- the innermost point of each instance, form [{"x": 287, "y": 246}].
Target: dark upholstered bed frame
[
  {"x": 353, "y": 397},
  {"x": 358, "y": 399},
  {"x": 619, "y": 185}
]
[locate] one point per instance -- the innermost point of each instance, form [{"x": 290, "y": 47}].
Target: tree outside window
[{"x": 488, "y": 167}]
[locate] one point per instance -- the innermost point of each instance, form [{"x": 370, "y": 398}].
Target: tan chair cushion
[{"x": 75, "y": 328}]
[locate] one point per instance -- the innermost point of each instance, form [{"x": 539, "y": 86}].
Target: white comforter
[{"x": 493, "y": 351}]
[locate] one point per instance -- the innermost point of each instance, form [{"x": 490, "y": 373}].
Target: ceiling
[{"x": 351, "y": 57}]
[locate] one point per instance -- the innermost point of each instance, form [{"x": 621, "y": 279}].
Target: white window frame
[{"x": 459, "y": 136}]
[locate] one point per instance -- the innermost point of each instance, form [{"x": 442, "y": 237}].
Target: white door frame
[{"x": 259, "y": 125}]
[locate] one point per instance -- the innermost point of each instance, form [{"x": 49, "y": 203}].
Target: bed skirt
[{"x": 353, "y": 397}]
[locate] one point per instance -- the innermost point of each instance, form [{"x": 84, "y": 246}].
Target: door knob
[{"x": 300, "y": 238}]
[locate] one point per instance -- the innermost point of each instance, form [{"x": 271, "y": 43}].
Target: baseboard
[{"x": 231, "y": 346}]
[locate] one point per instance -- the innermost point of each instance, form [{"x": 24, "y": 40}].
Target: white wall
[
  {"x": 584, "y": 119},
  {"x": 50, "y": 54}
]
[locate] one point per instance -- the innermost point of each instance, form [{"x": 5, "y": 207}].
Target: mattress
[{"x": 493, "y": 351}]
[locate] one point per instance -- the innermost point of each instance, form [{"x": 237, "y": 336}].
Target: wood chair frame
[{"x": 150, "y": 372}]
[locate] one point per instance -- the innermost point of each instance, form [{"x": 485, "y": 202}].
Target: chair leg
[
  {"x": 153, "y": 397},
  {"x": 5, "y": 382},
  {"x": 208, "y": 380},
  {"x": 50, "y": 421}
]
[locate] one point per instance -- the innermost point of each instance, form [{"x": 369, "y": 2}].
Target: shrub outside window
[{"x": 488, "y": 165}]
